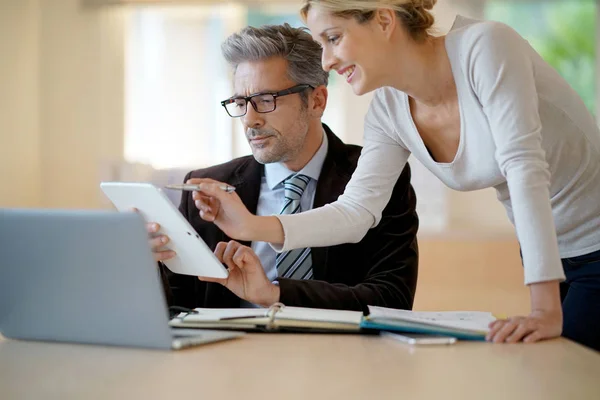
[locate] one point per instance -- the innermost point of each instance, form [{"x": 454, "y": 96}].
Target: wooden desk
[{"x": 301, "y": 367}]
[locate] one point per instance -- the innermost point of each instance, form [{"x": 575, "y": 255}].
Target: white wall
[
  {"x": 61, "y": 102},
  {"x": 81, "y": 99},
  {"x": 19, "y": 138}
]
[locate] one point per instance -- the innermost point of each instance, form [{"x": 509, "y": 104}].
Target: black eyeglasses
[{"x": 262, "y": 102}]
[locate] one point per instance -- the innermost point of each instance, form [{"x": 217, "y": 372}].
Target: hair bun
[{"x": 426, "y": 4}]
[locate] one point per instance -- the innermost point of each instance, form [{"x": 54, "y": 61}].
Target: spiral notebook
[
  {"x": 465, "y": 325},
  {"x": 276, "y": 318}
]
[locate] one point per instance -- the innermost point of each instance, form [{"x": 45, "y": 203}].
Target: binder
[
  {"x": 463, "y": 325},
  {"x": 277, "y": 318}
]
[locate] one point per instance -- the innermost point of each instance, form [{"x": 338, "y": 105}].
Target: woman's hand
[
  {"x": 226, "y": 210},
  {"x": 544, "y": 322},
  {"x": 538, "y": 325}
]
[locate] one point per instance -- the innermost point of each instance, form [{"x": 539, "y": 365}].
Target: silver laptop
[{"x": 85, "y": 277}]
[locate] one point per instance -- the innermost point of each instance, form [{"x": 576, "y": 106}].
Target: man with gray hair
[{"x": 297, "y": 164}]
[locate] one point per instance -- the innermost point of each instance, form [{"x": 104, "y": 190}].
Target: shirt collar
[{"x": 275, "y": 173}]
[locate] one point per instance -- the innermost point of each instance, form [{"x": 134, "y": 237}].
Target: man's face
[{"x": 278, "y": 136}]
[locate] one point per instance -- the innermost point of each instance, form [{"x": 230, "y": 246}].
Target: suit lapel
[
  {"x": 247, "y": 180},
  {"x": 332, "y": 181}
]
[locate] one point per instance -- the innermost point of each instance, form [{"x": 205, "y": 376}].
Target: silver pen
[{"x": 191, "y": 187}]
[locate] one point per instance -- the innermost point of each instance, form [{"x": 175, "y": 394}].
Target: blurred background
[{"x": 129, "y": 90}]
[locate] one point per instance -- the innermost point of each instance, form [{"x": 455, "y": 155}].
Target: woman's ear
[
  {"x": 318, "y": 101},
  {"x": 386, "y": 20}
]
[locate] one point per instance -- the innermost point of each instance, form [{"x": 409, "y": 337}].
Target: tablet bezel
[{"x": 193, "y": 256}]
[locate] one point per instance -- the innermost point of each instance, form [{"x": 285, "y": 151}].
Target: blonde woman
[{"x": 479, "y": 108}]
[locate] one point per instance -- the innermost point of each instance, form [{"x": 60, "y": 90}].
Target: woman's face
[{"x": 353, "y": 50}]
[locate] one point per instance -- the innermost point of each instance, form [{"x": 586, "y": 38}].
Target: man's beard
[
  {"x": 251, "y": 133},
  {"x": 276, "y": 151},
  {"x": 282, "y": 147}
]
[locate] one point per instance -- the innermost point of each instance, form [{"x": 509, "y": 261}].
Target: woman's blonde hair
[{"x": 414, "y": 14}]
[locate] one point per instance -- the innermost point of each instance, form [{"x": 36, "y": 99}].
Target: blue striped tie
[{"x": 297, "y": 263}]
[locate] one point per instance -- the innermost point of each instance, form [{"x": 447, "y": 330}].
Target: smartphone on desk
[{"x": 419, "y": 339}]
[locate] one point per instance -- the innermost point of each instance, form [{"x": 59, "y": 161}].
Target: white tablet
[{"x": 193, "y": 257}]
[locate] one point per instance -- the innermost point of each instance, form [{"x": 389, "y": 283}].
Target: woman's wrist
[
  {"x": 249, "y": 231},
  {"x": 264, "y": 229},
  {"x": 545, "y": 296}
]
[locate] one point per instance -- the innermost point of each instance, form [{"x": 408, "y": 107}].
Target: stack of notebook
[{"x": 465, "y": 325}]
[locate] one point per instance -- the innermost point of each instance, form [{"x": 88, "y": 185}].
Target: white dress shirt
[{"x": 271, "y": 200}]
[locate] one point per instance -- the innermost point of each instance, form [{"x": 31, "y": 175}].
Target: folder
[{"x": 464, "y": 325}]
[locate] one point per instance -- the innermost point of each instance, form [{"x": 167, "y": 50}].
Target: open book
[{"x": 466, "y": 325}]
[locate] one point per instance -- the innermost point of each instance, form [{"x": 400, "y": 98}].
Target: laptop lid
[{"x": 80, "y": 276}]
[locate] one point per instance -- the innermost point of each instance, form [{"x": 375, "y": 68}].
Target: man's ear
[
  {"x": 386, "y": 20},
  {"x": 318, "y": 101}
]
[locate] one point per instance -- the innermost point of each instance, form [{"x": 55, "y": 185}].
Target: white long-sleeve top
[{"x": 524, "y": 131}]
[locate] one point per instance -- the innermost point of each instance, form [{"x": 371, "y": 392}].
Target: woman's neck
[{"x": 426, "y": 75}]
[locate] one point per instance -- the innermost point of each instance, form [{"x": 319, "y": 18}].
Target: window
[
  {"x": 563, "y": 32},
  {"x": 175, "y": 80}
]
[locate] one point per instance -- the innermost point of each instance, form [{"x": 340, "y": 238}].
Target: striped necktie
[{"x": 296, "y": 263}]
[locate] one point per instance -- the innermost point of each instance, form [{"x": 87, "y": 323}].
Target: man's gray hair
[{"x": 295, "y": 45}]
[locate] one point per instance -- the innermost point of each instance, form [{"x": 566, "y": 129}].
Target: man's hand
[
  {"x": 157, "y": 243},
  {"x": 247, "y": 278}
]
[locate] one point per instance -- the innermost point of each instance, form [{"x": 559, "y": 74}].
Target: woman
[{"x": 479, "y": 108}]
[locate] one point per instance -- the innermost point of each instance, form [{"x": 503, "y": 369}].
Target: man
[{"x": 297, "y": 164}]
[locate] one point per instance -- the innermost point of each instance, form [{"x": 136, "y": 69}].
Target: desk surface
[{"x": 303, "y": 367}]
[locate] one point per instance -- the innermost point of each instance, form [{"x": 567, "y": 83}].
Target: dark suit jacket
[{"x": 379, "y": 270}]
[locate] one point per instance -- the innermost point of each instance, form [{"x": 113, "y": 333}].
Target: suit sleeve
[
  {"x": 181, "y": 290},
  {"x": 390, "y": 269}
]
